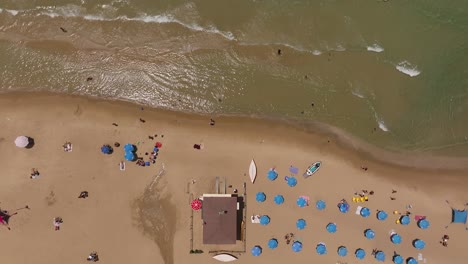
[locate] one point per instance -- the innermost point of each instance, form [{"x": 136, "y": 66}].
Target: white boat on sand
[
  {"x": 224, "y": 257},
  {"x": 252, "y": 171}
]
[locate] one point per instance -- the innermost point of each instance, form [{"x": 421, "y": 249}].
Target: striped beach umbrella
[
  {"x": 301, "y": 224},
  {"x": 301, "y": 202},
  {"x": 196, "y": 204},
  {"x": 320, "y": 204},
  {"x": 260, "y": 197}
]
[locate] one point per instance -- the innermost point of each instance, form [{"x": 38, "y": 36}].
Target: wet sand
[{"x": 135, "y": 216}]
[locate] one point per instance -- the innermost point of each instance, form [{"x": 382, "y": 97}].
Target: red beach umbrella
[
  {"x": 196, "y": 204},
  {"x": 158, "y": 144}
]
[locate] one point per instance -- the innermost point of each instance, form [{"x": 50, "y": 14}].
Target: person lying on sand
[
  {"x": 5, "y": 217},
  {"x": 83, "y": 194},
  {"x": 93, "y": 256},
  {"x": 67, "y": 147}
]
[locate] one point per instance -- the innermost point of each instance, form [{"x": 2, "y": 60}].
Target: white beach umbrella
[{"x": 21, "y": 141}]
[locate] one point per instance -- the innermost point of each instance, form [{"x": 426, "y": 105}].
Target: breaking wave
[{"x": 408, "y": 69}]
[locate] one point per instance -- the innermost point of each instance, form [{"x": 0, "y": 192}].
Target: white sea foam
[
  {"x": 375, "y": 48},
  {"x": 357, "y": 94},
  {"x": 382, "y": 126},
  {"x": 408, "y": 69},
  {"x": 76, "y": 12},
  {"x": 316, "y": 52}
]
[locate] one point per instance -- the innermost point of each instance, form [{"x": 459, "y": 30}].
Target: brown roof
[{"x": 220, "y": 220}]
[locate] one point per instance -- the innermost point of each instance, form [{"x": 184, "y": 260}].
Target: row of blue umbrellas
[
  {"x": 342, "y": 251},
  {"x": 130, "y": 154}
]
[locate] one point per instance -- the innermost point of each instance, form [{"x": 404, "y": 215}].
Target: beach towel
[
  {"x": 293, "y": 170},
  {"x": 358, "y": 210},
  {"x": 419, "y": 217}
]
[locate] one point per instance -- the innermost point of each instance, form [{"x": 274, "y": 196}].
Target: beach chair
[{"x": 358, "y": 210}]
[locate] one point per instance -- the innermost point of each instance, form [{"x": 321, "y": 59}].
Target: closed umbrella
[
  {"x": 396, "y": 239},
  {"x": 423, "y": 224},
  {"x": 256, "y": 251},
  {"x": 365, "y": 212},
  {"x": 419, "y": 244},
  {"x": 301, "y": 224},
  {"x": 279, "y": 199},
  {"x": 380, "y": 256},
  {"x": 301, "y": 202},
  {"x": 320, "y": 204},
  {"x": 273, "y": 243},
  {"x": 264, "y": 220},
  {"x": 369, "y": 234},
  {"x": 130, "y": 156},
  {"x": 321, "y": 249},
  {"x": 405, "y": 220},
  {"x": 411, "y": 261},
  {"x": 260, "y": 197},
  {"x": 360, "y": 253},
  {"x": 382, "y": 215},
  {"x": 272, "y": 175},
  {"x": 129, "y": 148},
  {"x": 22, "y": 141},
  {"x": 342, "y": 251},
  {"x": 291, "y": 181},
  {"x": 296, "y": 246},
  {"x": 331, "y": 228},
  {"x": 196, "y": 204},
  {"x": 397, "y": 259}
]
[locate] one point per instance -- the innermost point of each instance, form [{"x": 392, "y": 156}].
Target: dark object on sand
[
  {"x": 107, "y": 149},
  {"x": 83, "y": 194},
  {"x": 150, "y": 137},
  {"x": 63, "y": 30},
  {"x": 197, "y": 146},
  {"x": 142, "y": 120},
  {"x": 115, "y": 124},
  {"x": 279, "y": 51},
  {"x": 89, "y": 79},
  {"x": 93, "y": 256},
  {"x": 212, "y": 122},
  {"x": 116, "y": 144}
]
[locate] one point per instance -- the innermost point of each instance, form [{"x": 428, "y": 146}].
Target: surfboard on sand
[
  {"x": 224, "y": 257},
  {"x": 252, "y": 171}
]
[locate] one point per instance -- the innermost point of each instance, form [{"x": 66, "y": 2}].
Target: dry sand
[{"x": 133, "y": 216}]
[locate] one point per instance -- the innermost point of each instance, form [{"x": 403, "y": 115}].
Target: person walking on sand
[{"x": 57, "y": 222}]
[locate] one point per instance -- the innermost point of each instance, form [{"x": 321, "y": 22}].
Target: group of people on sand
[
  {"x": 444, "y": 240},
  {"x": 289, "y": 237}
]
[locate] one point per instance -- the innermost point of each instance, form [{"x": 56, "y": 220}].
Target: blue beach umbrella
[
  {"x": 411, "y": 261},
  {"x": 419, "y": 244},
  {"x": 273, "y": 243},
  {"x": 291, "y": 181},
  {"x": 296, "y": 246},
  {"x": 405, "y": 220},
  {"x": 272, "y": 175},
  {"x": 260, "y": 197},
  {"x": 331, "y": 228},
  {"x": 256, "y": 251},
  {"x": 301, "y": 224},
  {"x": 130, "y": 156},
  {"x": 369, "y": 234},
  {"x": 343, "y": 207},
  {"x": 397, "y": 259},
  {"x": 342, "y": 251},
  {"x": 321, "y": 249},
  {"x": 360, "y": 253},
  {"x": 264, "y": 220},
  {"x": 380, "y": 256},
  {"x": 320, "y": 204},
  {"x": 382, "y": 215},
  {"x": 301, "y": 202},
  {"x": 129, "y": 148},
  {"x": 423, "y": 224},
  {"x": 106, "y": 149},
  {"x": 365, "y": 212},
  {"x": 279, "y": 199},
  {"x": 395, "y": 238}
]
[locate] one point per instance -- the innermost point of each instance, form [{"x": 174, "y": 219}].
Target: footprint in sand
[{"x": 50, "y": 199}]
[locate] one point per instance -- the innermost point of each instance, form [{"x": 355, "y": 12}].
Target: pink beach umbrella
[{"x": 196, "y": 204}]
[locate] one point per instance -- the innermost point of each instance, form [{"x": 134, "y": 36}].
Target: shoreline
[{"x": 336, "y": 140}]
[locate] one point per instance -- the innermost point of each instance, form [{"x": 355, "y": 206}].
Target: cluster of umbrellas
[{"x": 130, "y": 154}]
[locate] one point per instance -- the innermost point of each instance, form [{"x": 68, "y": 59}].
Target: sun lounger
[
  {"x": 358, "y": 210},
  {"x": 122, "y": 166},
  {"x": 255, "y": 219}
]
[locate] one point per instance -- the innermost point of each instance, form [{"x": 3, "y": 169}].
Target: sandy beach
[{"x": 143, "y": 215}]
